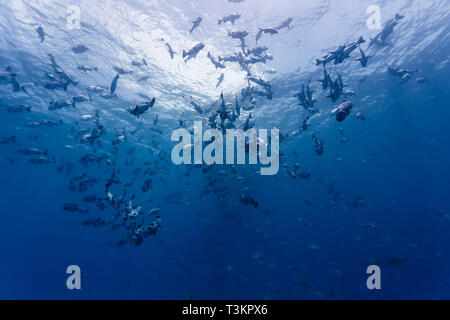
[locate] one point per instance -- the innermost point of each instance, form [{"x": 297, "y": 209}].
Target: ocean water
[{"x": 378, "y": 195}]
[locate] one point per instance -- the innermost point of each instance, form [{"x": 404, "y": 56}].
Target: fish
[
  {"x": 147, "y": 185},
  {"x": 195, "y": 24},
  {"x": 192, "y": 53},
  {"x": 41, "y": 33},
  {"x": 171, "y": 52},
  {"x": 217, "y": 64},
  {"x": 259, "y": 81},
  {"x": 41, "y": 160},
  {"x": 141, "y": 108},
  {"x": 247, "y": 200},
  {"x": 401, "y": 72},
  {"x": 421, "y": 80},
  {"x": 137, "y": 63},
  {"x": 363, "y": 59},
  {"x": 18, "y": 109},
  {"x": 237, "y": 107},
  {"x": 114, "y": 84},
  {"x": 336, "y": 88},
  {"x": 269, "y": 30},
  {"x": 318, "y": 149},
  {"x": 63, "y": 76},
  {"x": 285, "y": 24},
  {"x": 257, "y": 51},
  {"x": 50, "y": 123},
  {"x": 102, "y": 91},
  {"x": 229, "y": 18},
  {"x": 73, "y": 207},
  {"x": 242, "y": 44},
  {"x": 90, "y": 198},
  {"x": 348, "y": 49},
  {"x": 81, "y": 98},
  {"x": 32, "y": 151},
  {"x": 59, "y": 104},
  {"x": 380, "y": 39},
  {"x": 220, "y": 80},
  {"x": 397, "y": 261},
  {"x": 233, "y": 58},
  {"x": 154, "y": 211},
  {"x": 7, "y": 140},
  {"x": 196, "y": 106},
  {"x": 342, "y": 110},
  {"x": 79, "y": 48},
  {"x": 52, "y": 85},
  {"x": 238, "y": 34},
  {"x": 11, "y": 77},
  {"x": 359, "y": 115},
  {"x": 86, "y": 68},
  {"x": 122, "y": 71},
  {"x": 326, "y": 82},
  {"x": 332, "y": 55}
]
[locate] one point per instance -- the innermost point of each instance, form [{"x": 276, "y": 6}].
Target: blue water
[{"x": 308, "y": 238}]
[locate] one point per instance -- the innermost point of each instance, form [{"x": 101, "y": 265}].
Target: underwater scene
[{"x": 224, "y": 149}]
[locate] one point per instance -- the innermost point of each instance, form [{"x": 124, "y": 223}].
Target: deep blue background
[{"x": 218, "y": 248}]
